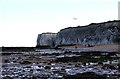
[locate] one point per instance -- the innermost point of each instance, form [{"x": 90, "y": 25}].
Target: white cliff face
[
  {"x": 93, "y": 34},
  {"x": 46, "y": 39}
]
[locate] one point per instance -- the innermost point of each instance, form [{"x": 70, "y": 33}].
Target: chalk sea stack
[
  {"x": 46, "y": 39},
  {"x": 93, "y": 34}
]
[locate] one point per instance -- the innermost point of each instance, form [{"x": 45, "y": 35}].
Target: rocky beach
[{"x": 82, "y": 52}]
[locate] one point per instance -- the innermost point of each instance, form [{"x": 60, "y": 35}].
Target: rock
[
  {"x": 46, "y": 39},
  {"x": 7, "y": 77},
  {"x": 90, "y": 35},
  {"x": 25, "y": 62},
  {"x": 86, "y": 75}
]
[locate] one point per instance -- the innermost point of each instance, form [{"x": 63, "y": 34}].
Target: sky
[{"x": 22, "y": 20}]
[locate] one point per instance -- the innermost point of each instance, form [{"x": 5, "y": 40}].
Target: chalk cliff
[
  {"x": 46, "y": 39},
  {"x": 90, "y": 35}
]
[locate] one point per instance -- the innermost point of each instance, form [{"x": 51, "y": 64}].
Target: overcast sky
[{"x": 22, "y": 20}]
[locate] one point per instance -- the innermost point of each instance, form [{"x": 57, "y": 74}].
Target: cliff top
[
  {"x": 49, "y": 33},
  {"x": 92, "y": 24}
]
